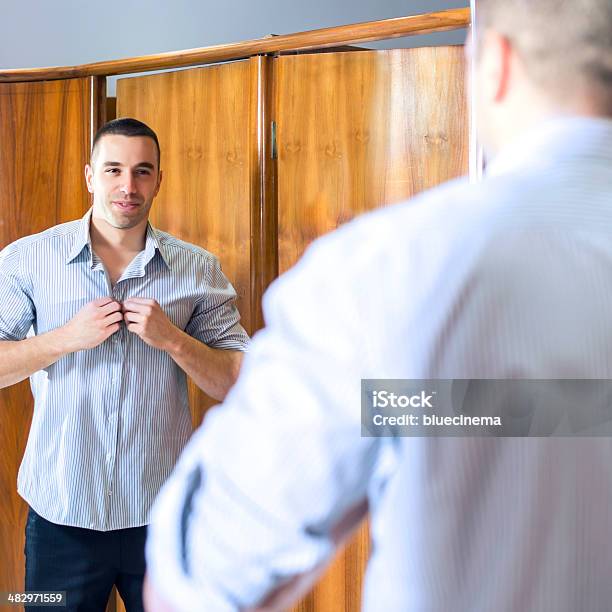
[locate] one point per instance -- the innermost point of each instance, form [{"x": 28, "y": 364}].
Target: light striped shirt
[
  {"x": 109, "y": 422},
  {"x": 509, "y": 278}
]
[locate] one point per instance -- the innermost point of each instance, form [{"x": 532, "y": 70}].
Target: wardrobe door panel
[
  {"x": 360, "y": 130},
  {"x": 45, "y": 135}
]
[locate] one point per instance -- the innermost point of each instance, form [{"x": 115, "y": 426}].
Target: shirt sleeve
[
  {"x": 216, "y": 320},
  {"x": 256, "y": 495},
  {"x": 17, "y": 312}
]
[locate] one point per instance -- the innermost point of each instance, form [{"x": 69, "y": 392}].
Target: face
[{"x": 124, "y": 178}]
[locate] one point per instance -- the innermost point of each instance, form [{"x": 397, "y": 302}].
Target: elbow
[
  {"x": 8, "y": 380},
  {"x": 235, "y": 368},
  {"x": 233, "y": 371}
]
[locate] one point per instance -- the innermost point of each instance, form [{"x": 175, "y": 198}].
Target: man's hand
[
  {"x": 146, "y": 319},
  {"x": 213, "y": 370},
  {"x": 91, "y": 326}
]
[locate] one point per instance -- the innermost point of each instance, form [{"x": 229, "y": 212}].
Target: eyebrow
[{"x": 140, "y": 165}]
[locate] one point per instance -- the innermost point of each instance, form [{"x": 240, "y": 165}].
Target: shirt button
[{"x": 108, "y": 456}]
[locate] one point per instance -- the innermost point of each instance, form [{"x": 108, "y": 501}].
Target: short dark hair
[{"x": 126, "y": 126}]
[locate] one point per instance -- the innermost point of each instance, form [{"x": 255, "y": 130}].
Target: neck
[
  {"x": 105, "y": 236},
  {"x": 531, "y": 107}
]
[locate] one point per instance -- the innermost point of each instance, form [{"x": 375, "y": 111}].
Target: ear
[
  {"x": 496, "y": 65},
  {"x": 89, "y": 178}
]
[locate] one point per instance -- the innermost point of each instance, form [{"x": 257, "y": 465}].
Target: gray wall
[{"x": 67, "y": 32}]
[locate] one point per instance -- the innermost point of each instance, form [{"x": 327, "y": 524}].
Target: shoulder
[
  {"x": 57, "y": 235},
  {"x": 180, "y": 250}
]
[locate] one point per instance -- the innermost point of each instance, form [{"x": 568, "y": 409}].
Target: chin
[
  {"x": 122, "y": 222},
  {"x": 130, "y": 224}
]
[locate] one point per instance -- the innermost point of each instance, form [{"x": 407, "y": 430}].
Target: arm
[
  {"x": 279, "y": 601},
  {"x": 281, "y": 464},
  {"x": 284, "y": 596},
  {"x": 21, "y": 358},
  {"x": 213, "y": 370},
  {"x": 93, "y": 324}
]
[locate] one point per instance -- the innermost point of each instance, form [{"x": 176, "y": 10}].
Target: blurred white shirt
[{"x": 510, "y": 278}]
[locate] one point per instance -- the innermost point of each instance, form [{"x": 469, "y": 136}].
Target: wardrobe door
[
  {"x": 45, "y": 136},
  {"x": 356, "y": 131},
  {"x": 207, "y": 121},
  {"x": 360, "y": 130}
]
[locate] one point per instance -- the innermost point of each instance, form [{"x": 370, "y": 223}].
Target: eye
[
  {"x": 112, "y": 170},
  {"x": 143, "y": 171}
]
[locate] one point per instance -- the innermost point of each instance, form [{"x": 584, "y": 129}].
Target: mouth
[{"x": 126, "y": 205}]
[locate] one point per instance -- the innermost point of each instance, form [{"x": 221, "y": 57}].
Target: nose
[{"x": 129, "y": 184}]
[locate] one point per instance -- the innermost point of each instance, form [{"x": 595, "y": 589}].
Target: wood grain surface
[
  {"x": 45, "y": 135},
  {"x": 361, "y": 130}
]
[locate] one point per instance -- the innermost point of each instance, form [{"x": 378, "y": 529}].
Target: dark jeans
[{"x": 84, "y": 563}]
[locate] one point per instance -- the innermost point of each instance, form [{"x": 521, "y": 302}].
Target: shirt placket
[
  {"x": 115, "y": 355},
  {"x": 118, "y": 345}
]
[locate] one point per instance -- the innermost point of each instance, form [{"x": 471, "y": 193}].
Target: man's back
[{"x": 510, "y": 523}]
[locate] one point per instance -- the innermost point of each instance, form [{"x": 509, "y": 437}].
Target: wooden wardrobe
[{"x": 285, "y": 140}]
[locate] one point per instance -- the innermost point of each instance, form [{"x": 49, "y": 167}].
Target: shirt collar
[
  {"x": 554, "y": 140},
  {"x": 153, "y": 242},
  {"x": 81, "y": 239}
]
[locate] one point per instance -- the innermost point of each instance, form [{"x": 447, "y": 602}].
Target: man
[
  {"x": 509, "y": 278},
  {"x": 120, "y": 311}
]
